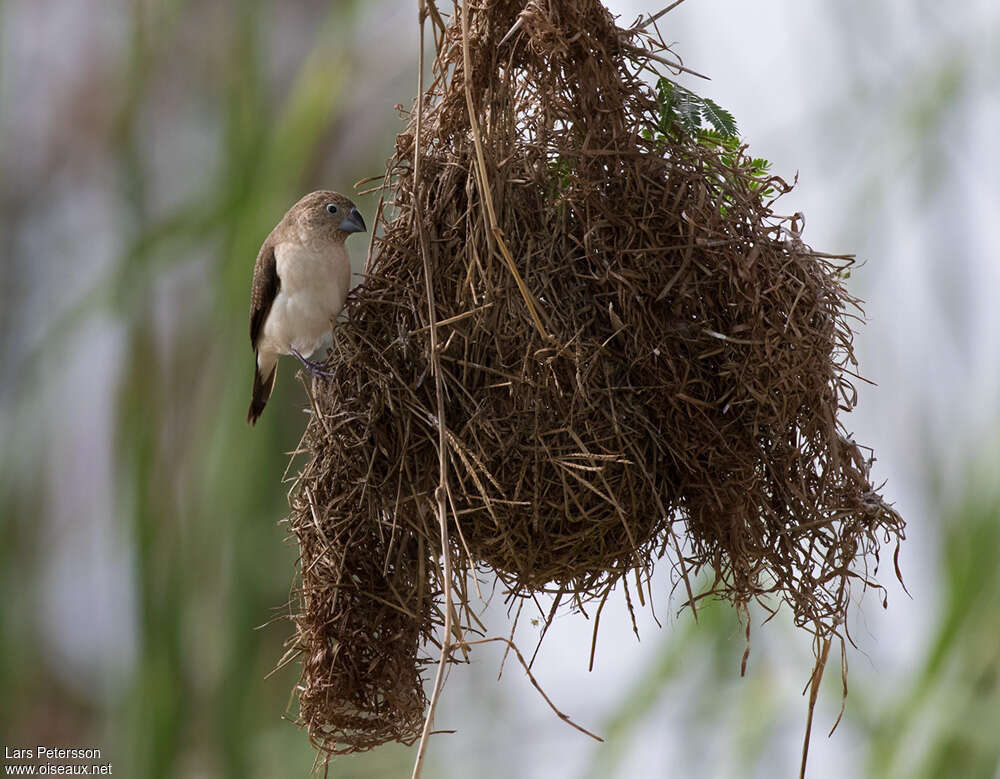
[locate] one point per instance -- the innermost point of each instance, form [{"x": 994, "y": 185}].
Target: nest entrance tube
[{"x": 638, "y": 360}]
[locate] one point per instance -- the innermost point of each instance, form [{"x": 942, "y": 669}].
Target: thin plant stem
[{"x": 442, "y": 489}]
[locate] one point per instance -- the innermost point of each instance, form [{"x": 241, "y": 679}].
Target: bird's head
[{"x": 328, "y": 216}]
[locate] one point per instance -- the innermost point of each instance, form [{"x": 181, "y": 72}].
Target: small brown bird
[{"x": 300, "y": 283}]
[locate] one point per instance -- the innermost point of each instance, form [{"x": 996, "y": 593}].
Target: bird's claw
[{"x": 315, "y": 368}]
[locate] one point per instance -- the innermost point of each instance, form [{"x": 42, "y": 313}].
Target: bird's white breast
[{"x": 314, "y": 285}]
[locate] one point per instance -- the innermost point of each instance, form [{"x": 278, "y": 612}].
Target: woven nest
[{"x": 641, "y": 361}]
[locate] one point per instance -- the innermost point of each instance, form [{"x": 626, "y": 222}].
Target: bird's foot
[{"x": 315, "y": 368}]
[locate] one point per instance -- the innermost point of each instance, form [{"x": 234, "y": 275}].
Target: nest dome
[{"x": 638, "y": 356}]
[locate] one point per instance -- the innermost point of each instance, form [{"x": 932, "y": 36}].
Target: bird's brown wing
[{"x": 265, "y": 288}]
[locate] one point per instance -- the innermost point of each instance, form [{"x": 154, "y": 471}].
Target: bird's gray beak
[{"x": 353, "y": 223}]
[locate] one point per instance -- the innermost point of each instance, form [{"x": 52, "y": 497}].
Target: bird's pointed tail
[{"x": 261, "y": 388}]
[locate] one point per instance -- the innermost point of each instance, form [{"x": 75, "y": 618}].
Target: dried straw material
[{"x": 641, "y": 361}]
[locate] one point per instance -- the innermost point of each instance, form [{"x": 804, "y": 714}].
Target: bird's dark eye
[{"x": 331, "y": 208}]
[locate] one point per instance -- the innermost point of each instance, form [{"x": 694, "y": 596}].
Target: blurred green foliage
[{"x": 947, "y": 720}]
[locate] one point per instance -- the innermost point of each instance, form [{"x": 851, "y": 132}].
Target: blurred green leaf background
[{"x": 146, "y": 149}]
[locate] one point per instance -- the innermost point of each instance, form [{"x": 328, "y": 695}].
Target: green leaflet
[
  {"x": 682, "y": 112},
  {"x": 682, "y": 106},
  {"x": 719, "y": 118}
]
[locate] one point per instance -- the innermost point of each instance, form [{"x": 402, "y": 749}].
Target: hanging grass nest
[
  {"x": 366, "y": 614},
  {"x": 639, "y": 359}
]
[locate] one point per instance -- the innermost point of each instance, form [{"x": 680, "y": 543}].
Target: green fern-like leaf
[
  {"x": 678, "y": 105},
  {"x": 687, "y": 106},
  {"x": 681, "y": 111},
  {"x": 719, "y": 118}
]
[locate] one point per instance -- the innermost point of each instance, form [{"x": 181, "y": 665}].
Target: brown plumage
[{"x": 300, "y": 283}]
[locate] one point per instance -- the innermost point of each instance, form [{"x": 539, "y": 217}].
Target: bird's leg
[{"x": 315, "y": 368}]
